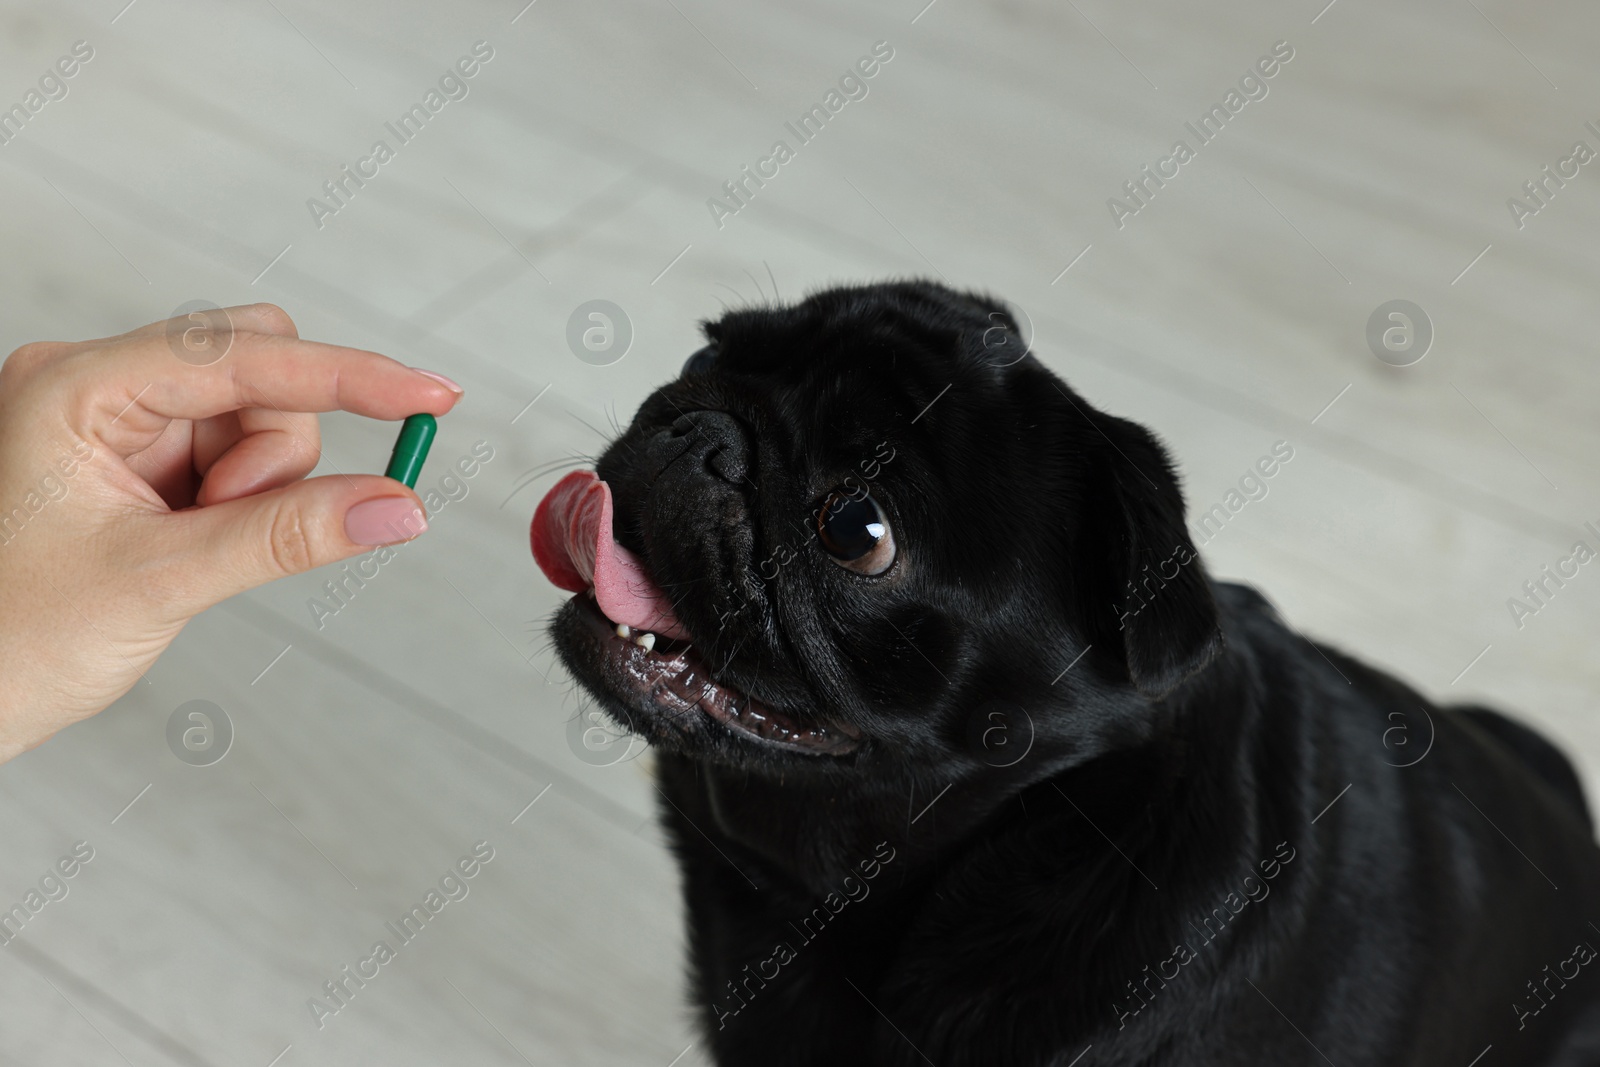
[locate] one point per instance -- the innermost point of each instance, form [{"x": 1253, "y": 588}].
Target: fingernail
[
  {"x": 441, "y": 379},
  {"x": 388, "y": 520}
]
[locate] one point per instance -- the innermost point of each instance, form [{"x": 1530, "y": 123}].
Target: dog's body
[{"x": 1038, "y": 785}]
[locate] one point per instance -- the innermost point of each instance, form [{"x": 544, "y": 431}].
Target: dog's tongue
[{"x": 572, "y": 544}]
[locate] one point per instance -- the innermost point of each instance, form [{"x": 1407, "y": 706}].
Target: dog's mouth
[
  {"x": 641, "y": 651},
  {"x": 669, "y": 677}
]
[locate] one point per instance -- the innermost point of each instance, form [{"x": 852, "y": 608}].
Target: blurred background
[{"x": 346, "y": 758}]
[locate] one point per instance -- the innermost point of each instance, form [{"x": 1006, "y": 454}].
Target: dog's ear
[{"x": 1144, "y": 594}]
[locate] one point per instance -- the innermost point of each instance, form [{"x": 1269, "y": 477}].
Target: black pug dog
[{"x": 968, "y": 761}]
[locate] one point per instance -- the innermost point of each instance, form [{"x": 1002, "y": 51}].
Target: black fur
[{"x": 1208, "y": 842}]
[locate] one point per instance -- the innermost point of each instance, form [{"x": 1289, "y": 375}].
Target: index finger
[
  {"x": 256, "y": 318},
  {"x": 134, "y": 379}
]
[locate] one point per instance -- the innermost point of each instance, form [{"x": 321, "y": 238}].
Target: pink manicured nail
[
  {"x": 441, "y": 379},
  {"x": 388, "y": 520}
]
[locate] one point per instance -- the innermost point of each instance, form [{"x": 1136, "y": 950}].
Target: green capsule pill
[{"x": 411, "y": 449}]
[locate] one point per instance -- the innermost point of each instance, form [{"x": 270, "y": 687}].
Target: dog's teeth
[
  {"x": 645, "y": 641},
  {"x": 624, "y": 630}
]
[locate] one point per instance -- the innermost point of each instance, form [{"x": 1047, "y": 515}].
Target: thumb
[{"x": 237, "y": 545}]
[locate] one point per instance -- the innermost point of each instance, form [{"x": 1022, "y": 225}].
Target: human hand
[{"x": 138, "y": 489}]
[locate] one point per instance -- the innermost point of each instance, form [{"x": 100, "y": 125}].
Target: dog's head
[{"x": 871, "y": 528}]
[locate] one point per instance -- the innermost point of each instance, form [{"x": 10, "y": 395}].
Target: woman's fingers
[
  {"x": 255, "y": 318},
  {"x": 105, "y": 449},
  {"x": 212, "y": 439},
  {"x": 126, "y": 401},
  {"x": 229, "y": 456},
  {"x": 268, "y": 449},
  {"x": 167, "y": 464},
  {"x": 262, "y": 318},
  {"x": 212, "y": 553},
  {"x": 236, "y": 385}
]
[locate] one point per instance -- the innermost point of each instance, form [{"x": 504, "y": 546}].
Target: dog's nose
[{"x": 712, "y": 438}]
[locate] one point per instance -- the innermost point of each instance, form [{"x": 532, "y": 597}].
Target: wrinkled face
[{"x": 844, "y": 535}]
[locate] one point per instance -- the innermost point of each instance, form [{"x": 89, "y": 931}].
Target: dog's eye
[
  {"x": 700, "y": 362},
  {"x": 853, "y": 530}
]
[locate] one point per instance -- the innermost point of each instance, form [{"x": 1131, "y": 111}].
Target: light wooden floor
[{"x": 1229, "y": 313}]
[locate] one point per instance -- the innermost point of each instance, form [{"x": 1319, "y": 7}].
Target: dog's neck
[{"x": 814, "y": 832}]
